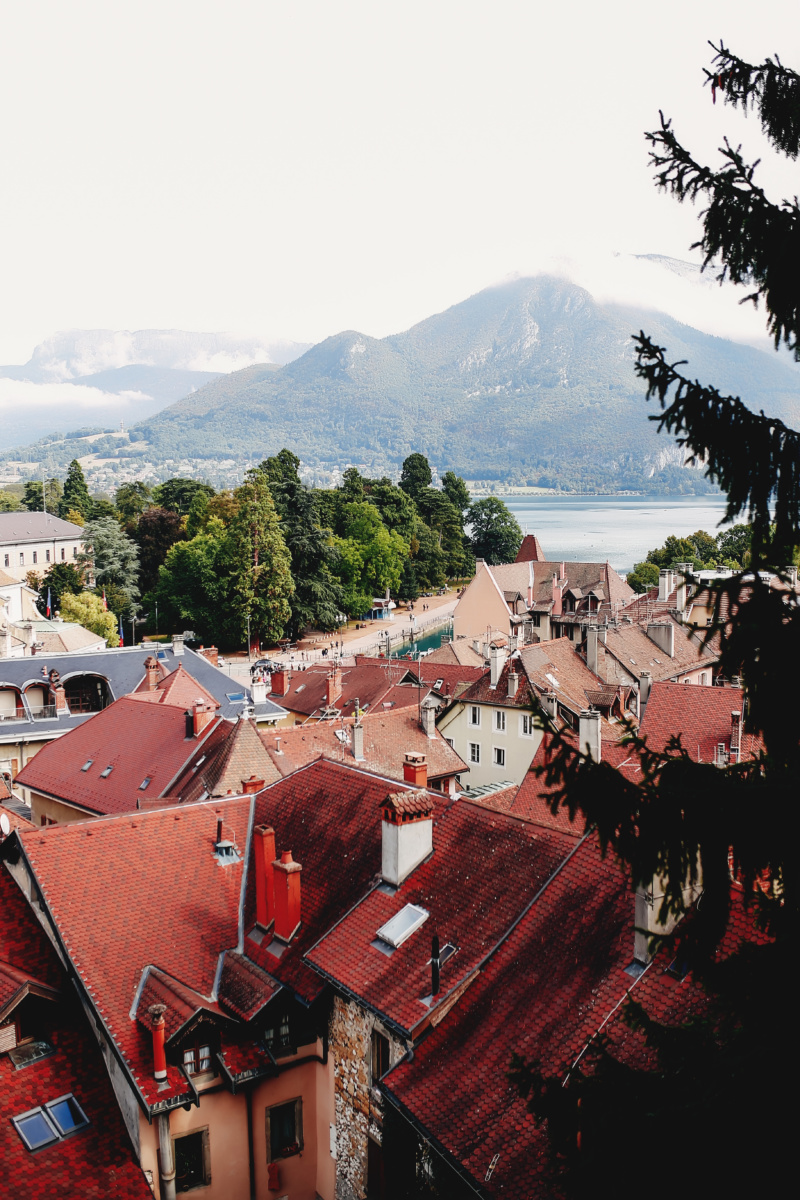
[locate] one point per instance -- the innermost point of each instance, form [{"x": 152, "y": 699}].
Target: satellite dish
[{"x": 5, "y": 824}]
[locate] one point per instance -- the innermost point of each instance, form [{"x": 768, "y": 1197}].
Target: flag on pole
[
  {"x": 48, "y": 602},
  {"x": 121, "y": 635},
  {"x": 105, "y": 606}
]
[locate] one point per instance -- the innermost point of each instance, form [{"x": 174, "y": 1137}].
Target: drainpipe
[
  {"x": 251, "y": 1158},
  {"x": 166, "y": 1158}
]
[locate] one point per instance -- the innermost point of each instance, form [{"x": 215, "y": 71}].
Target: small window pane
[
  {"x": 67, "y": 1114},
  {"x": 35, "y": 1129},
  {"x": 188, "y": 1061},
  {"x": 29, "y": 1052},
  {"x": 189, "y": 1166},
  {"x": 282, "y": 1130}
]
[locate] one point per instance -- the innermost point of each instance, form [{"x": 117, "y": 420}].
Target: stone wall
[{"x": 359, "y": 1114}]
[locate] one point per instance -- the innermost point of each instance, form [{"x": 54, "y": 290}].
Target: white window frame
[
  {"x": 498, "y": 752},
  {"x": 474, "y": 709},
  {"x": 526, "y": 719},
  {"x": 499, "y": 720},
  {"x": 474, "y": 749}
]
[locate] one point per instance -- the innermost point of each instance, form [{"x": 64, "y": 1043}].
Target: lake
[{"x": 618, "y": 528}]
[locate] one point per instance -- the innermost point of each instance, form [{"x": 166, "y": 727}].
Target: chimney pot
[
  {"x": 280, "y": 682},
  {"x": 415, "y": 770},
  {"x": 406, "y": 833},
  {"x": 251, "y": 785},
  {"x": 264, "y": 847},
  {"x": 156, "y": 1012}
]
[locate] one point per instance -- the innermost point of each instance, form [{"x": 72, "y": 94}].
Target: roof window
[
  {"x": 235, "y": 697},
  {"x": 87, "y": 764},
  {"x": 438, "y": 684},
  {"x": 552, "y": 679},
  {"x": 148, "y": 779},
  {"x": 299, "y": 687},
  {"x": 402, "y": 925},
  {"x": 51, "y": 1122},
  {"x": 105, "y": 774}
]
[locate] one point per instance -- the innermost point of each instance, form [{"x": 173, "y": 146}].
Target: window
[
  {"x": 47, "y": 555},
  {"x": 526, "y": 725},
  {"x": 48, "y": 1124},
  {"x": 74, "y": 551},
  {"x": 499, "y": 756},
  {"x": 87, "y": 764},
  {"x": 474, "y": 752},
  {"x": 380, "y": 1055},
  {"x": 279, "y": 1036},
  {"x": 146, "y": 781},
  {"x": 192, "y": 1160},
  {"x": 63, "y": 554},
  {"x": 35, "y": 558},
  {"x": 104, "y": 774},
  {"x": 285, "y": 1130},
  {"x": 26, "y": 1053},
  {"x": 22, "y": 560},
  {"x": 401, "y": 926},
  {"x": 8, "y": 560},
  {"x": 500, "y": 721},
  {"x": 197, "y": 1059},
  {"x": 475, "y": 715}
]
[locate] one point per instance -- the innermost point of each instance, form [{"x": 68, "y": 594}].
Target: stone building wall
[{"x": 359, "y": 1113}]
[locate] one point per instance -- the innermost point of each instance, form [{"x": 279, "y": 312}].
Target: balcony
[
  {"x": 14, "y": 714},
  {"x": 46, "y": 713}
]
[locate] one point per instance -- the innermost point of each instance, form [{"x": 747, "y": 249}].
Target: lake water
[{"x": 618, "y": 528}]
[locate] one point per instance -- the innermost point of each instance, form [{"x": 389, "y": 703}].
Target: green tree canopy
[
  {"x": 62, "y": 579},
  {"x": 157, "y": 530},
  {"x": 456, "y": 491},
  {"x": 177, "y": 494},
  {"x": 111, "y": 555},
  {"x": 415, "y": 475},
  {"x": 76, "y": 493},
  {"x": 32, "y": 497},
  {"x": 87, "y": 609},
  {"x": 494, "y": 533},
  {"x": 132, "y": 499}
]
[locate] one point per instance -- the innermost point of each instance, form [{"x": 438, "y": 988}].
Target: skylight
[
  {"x": 402, "y": 925},
  {"x": 147, "y": 779},
  {"x": 105, "y": 774},
  {"x": 87, "y": 764},
  {"x": 438, "y": 684},
  {"x": 552, "y": 679},
  {"x": 235, "y": 697}
]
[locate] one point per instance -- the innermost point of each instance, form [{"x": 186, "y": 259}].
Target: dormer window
[{"x": 197, "y": 1059}]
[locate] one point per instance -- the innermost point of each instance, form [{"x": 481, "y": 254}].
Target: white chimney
[
  {"x": 736, "y": 737},
  {"x": 358, "y": 742},
  {"x": 666, "y": 582},
  {"x": 682, "y": 586},
  {"x": 592, "y": 649},
  {"x": 589, "y": 734},
  {"x": 513, "y": 684},
  {"x": 428, "y": 718},
  {"x": 177, "y": 645},
  {"x": 259, "y": 693},
  {"x": 645, "y": 683},
  {"x": 406, "y": 833},
  {"x": 549, "y": 701},
  {"x": 663, "y": 634},
  {"x": 497, "y": 658}
]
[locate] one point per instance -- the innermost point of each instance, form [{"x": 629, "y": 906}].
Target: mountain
[{"x": 530, "y": 380}]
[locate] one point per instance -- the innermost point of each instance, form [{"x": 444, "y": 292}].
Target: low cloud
[{"x": 20, "y": 395}]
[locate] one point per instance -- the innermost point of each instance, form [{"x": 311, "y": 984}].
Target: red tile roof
[
  {"x": 369, "y": 682},
  {"x": 329, "y": 816},
  {"x": 163, "y": 873},
  {"x": 530, "y": 550},
  {"x": 484, "y": 870},
  {"x": 636, "y": 651},
  {"x": 235, "y": 754},
  {"x": 702, "y": 717},
  {"x": 388, "y": 736},
  {"x": 179, "y": 689},
  {"x": 457, "y": 653},
  {"x": 137, "y": 740},
  {"x": 96, "y": 1163}
]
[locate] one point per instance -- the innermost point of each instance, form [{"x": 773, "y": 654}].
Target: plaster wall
[
  {"x": 479, "y": 607},
  {"x": 53, "y": 546},
  {"x": 519, "y": 747}
]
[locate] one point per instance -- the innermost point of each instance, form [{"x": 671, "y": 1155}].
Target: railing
[
  {"x": 45, "y": 713},
  {"x": 18, "y": 714}
]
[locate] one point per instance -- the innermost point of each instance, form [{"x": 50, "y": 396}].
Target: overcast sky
[{"x": 293, "y": 169}]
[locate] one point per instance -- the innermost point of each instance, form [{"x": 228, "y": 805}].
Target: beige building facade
[{"x": 35, "y": 541}]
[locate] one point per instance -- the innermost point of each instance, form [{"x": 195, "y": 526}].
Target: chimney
[
  {"x": 333, "y": 688},
  {"x": 428, "y": 718},
  {"x": 562, "y": 573},
  {"x": 682, "y": 587},
  {"x": 157, "y": 1011},
  {"x": 513, "y": 684},
  {"x": 177, "y": 645},
  {"x": 151, "y": 673},
  {"x": 791, "y": 575},
  {"x": 663, "y": 634},
  {"x": 645, "y": 683},
  {"x": 251, "y": 785},
  {"x": 736, "y": 737},
  {"x": 647, "y": 913},
  {"x": 258, "y": 691},
  {"x": 286, "y": 879},
  {"x": 530, "y": 585},
  {"x": 593, "y": 650},
  {"x": 59, "y": 698},
  {"x": 497, "y": 658},
  {"x": 202, "y": 716},
  {"x": 666, "y": 582},
  {"x": 435, "y": 966},
  {"x": 211, "y": 653},
  {"x": 264, "y": 853},
  {"x": 280, "y": 682},
  {"x": 415, "y": 770},
  {"x": 406, "y": 834},
  {"x": 358, "y": 742},
  {"x": 589, "y": 733},
  {"x": 556, "y": 596},
  {"x": 549, "y": 701}
]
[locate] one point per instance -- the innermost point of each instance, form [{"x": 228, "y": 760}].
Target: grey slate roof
[
  {"x": 35, "y": 527},
  {"x": 123, "y": 669}
]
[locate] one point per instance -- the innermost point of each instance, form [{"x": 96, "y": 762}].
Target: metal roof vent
[{"x": 224, "y": 849}]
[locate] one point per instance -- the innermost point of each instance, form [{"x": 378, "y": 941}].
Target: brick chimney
[
  {"x": 202, "y": 716},
  {"x": 286, "y": 879},
  {"x": 415, "y": 770},
  {"x": 251, "y": 785},
  {"x": 589, "y": 733},
  {"x": 427, "y": 715},
  {"x": 663, "y": 634},
  {"x": 59, "y": 698},
  {"x": 736, "y": 736},
  {"x": 151, "y": 673},
  {"x": 406, "y": 834},
  {"x": 333, "y": 687},
  {"x": 264, "y": 855},
  {"x": 211, "y": 653},
  {"x": 156, "y": 1012},
  {"x": 280, "y": 682}
]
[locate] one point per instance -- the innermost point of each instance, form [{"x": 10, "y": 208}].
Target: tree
[
  {"x": 111, "y": 555},
  {"x": 415, "y": 475},
  {"x": 87, "y": 610},
  {"x": 716, "y": 1081},
  {"x": 8, "y": 501},
  {"x": 157, "y": 530},
  {"x": 132, "y": 499},
  {"x": 32, "y": 498},
  {"x": 259, "y": 576},
  {"x": 496, "y": 537},
  {"x": 100, "y": 508},
  {"x": 76, "y": 493},
  {"x": 455, "y": 489},
  {"x": 395, "y": 506},
  {"x": 177, "y": 494},
  {"x": 734, "y": 543},
  {"x": 63, "y": 579},
  {"x": 643, "y": 576}
]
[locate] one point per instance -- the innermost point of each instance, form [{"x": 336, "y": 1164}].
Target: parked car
[{"x": 267, "y": 665}]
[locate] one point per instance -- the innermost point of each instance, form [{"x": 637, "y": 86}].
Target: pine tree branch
[
  {"x": 769, "y": 87},
  {"x": 754, "y": 458}
]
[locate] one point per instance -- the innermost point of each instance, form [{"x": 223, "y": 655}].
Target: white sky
[{"x": 296, "y": 168}]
